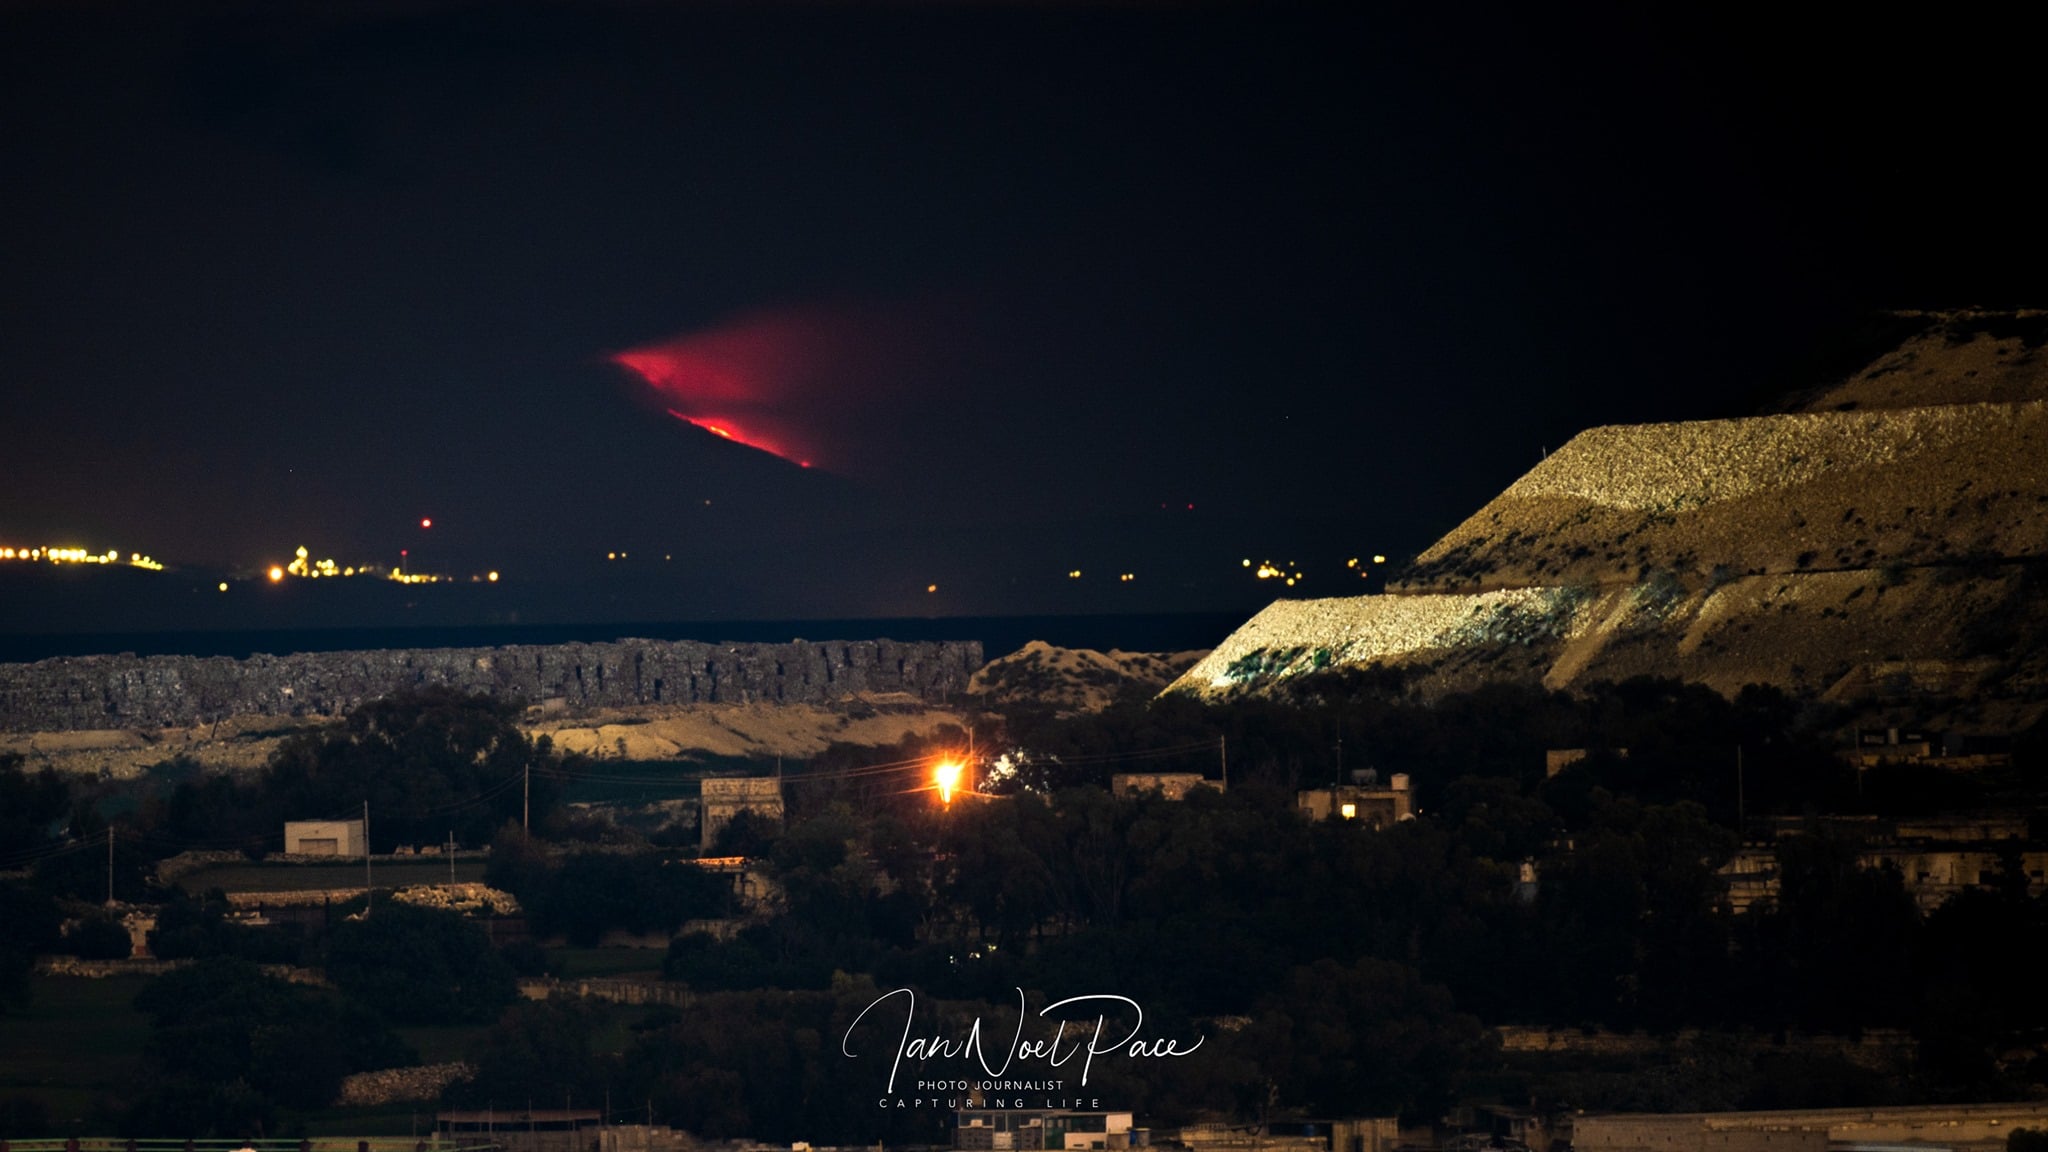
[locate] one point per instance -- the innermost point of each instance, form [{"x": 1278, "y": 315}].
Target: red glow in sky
[{"x": 784, "y": 382}]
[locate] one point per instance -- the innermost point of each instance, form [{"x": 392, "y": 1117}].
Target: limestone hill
[
  {"x": 1075, "y": 679},
  {"x": 1966, "y": 357},
  {"x": 1883, "y": 541}
]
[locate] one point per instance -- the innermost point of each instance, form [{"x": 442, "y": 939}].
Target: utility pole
[
  {"x": 526, "y": 798},
  {"x": 451, "y": 857},
  {"x": 110, "y": 865},
  {"x": 369, "y": 890},
  {"x": 1223, "y": 756}
]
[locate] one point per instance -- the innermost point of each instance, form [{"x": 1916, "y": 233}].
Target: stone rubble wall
[
  {"x": 127, "y": 691},
  {"x": 616, "y": 990},
  {"x": 400, "y": 1085},
  {"x": 108, "y": 969}
]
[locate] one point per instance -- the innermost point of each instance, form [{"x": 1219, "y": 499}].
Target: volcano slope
[{"x": 1882, "y": 541}]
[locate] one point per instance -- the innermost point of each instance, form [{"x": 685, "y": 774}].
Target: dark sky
[{"x": 1027, "y": 280}]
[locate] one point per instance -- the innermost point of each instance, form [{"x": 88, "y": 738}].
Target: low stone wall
[
  {"x": 293, "y": 898},
  {"x": 617, "y": 991},
  {"x": 104, "y": 969},
  {"x": 126, "y": 691},
  {"x": 190, "y": 861}
]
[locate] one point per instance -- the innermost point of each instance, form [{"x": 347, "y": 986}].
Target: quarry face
[{"x": 1885, "y": 539}]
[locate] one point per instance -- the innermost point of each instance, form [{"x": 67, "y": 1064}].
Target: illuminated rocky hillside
[
  {"x": 1075, "y": 679},
  {"x": 1869, "y": 544}
]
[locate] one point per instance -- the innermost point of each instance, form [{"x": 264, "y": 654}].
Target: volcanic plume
[{"x": 787, "y": 382}]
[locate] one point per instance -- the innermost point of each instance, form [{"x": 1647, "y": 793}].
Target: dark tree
[
  {"x": 30, "y": 923},
  {"x": 1368, "y": 1038},
  {"x": 227, "y": 1043},
  {"x": 420, "y": 966},
  {"x": 99, "y": 937},
  {"x": 428, "y": 762}
]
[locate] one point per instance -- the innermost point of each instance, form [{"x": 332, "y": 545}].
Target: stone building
[
  {"x": 1368, "y": 803},
  {"x": 324, "y": 838},
  {"x": 728, "y": 796}
]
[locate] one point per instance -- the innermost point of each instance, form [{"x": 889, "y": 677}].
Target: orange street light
[{"x": 946, "y": 777}]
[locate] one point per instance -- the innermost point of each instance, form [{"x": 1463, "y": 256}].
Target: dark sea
[{"x": 999, "y": 635}]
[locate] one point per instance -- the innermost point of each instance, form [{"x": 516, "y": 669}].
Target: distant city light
[
  {"x": 223, "y": 585},
  {"x": 1378, "y": 559},
  {"x": 931, "y": 587},
  {"x": 304, "y": 567},
  {"x": 1074, "y": 574},
  {"x": 1127, "y": 577},
  {"x": 493, "y": 577},
  {"x": 81, "y": 556},
  {"x": 426, "y": 522}
]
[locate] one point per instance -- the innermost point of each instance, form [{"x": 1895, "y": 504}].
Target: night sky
[{"x": 1031, "y": 288}]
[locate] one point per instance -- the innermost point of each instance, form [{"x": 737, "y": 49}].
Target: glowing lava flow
[
  {"x": 805, "y": 383},
  {"x": 769, "y": 381},
  {"x": 726, "y": 429}
]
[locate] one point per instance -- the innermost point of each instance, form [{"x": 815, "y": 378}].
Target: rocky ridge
[{"x": 111, "y": 693}]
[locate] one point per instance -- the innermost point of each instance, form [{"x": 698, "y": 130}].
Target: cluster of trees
[
  {"x": 230, "y": 1047},
  {"x": 49, "y": 833},
  {"x": 582, "y": 895},
  {"x": 1220, "y": 908},
  {"x": 429, "y": 762},
  {"x": 771, "y": 1064},
  {"x": 1326, "y": 968},
  {"x": 1214, "y": 904}
]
